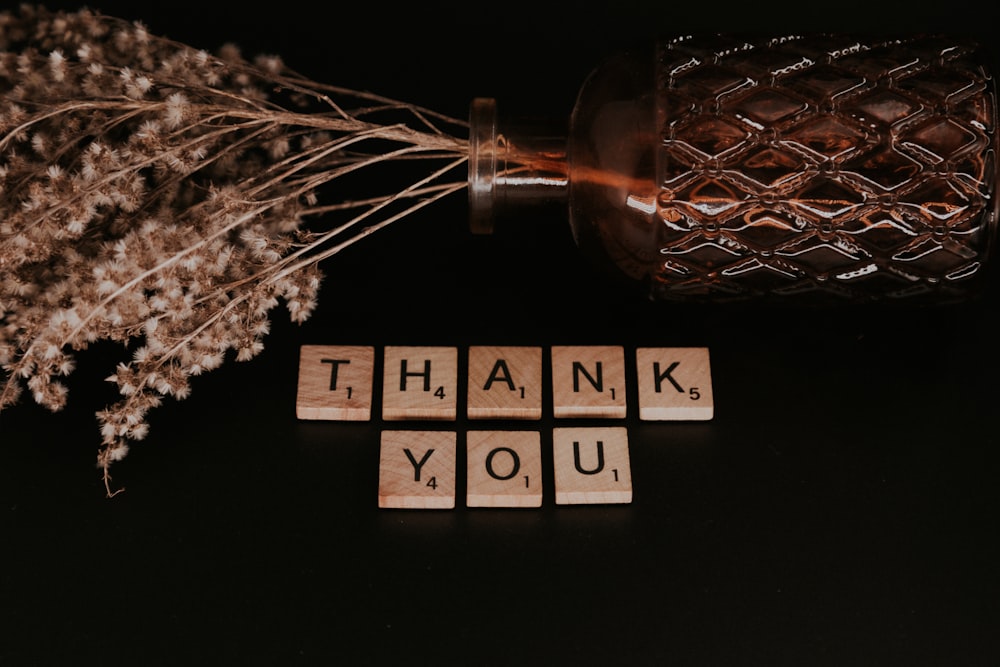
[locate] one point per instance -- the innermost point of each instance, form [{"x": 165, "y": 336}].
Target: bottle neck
[{"x": 512, "y": 166}]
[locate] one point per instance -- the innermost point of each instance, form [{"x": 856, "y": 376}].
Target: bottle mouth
[
  {"x": 482, "y": 164},
  {"x": 512, "y": 166}
]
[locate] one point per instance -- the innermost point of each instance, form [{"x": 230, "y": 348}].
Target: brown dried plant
[{"x": 166, "y": 198}]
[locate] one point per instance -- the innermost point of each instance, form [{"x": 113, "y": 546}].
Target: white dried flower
[{"x": 182, "y": 218}]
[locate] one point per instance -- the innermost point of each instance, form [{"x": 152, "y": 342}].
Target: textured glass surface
[{"x": 821, "y": 164}]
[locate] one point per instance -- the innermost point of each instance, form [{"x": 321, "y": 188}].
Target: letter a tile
[
  {"x": 420, "y": 383},
  {"x": 591, "y": 465},
  {"x": 504, "y": 469},
  {"x": 417, "y": 470},
  {"x": 675, "y": 383},
  {"x": 505, "y": 382},
  {"x": 335, "y": 382},
  {"x": 588, "y": 381}
]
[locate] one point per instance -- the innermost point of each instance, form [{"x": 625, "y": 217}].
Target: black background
[{"x": 841, "y": 509}]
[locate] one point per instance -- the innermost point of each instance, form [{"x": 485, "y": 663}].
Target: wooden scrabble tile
[
  {"x": 588, "y": 381},
  {"x": 335, "y": 382},
  {"x": 504, "y": 469},
  {"x": 675, "y": 383},
  {"x": 417, "y": 469},
  {"x": 505, "y": 383},
  {"x": 591, "y": 465},
  {"x": 420, "y": 383}
]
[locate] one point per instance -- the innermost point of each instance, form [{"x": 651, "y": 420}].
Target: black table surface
[{"x": 840, "y": 509}]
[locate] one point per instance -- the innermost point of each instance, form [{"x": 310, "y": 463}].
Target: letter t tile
[{"x": 335, "y": 382}]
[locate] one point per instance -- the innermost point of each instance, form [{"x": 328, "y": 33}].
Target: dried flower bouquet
[{"x": 168, "y": 199}]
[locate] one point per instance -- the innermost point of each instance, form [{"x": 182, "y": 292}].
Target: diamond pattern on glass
[{"x": 834, "y": 165}]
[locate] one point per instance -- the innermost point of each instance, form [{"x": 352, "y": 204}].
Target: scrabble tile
[
  {"x": 417, "y": 469},
  {"x": 505, "y": 383},
  {"x": 588, "y": 381},
  {"x": 591, "y": 465},
  {"x": 504, "y": 469},
  {"x": 420, "y": 383},
  {"x": 675, "y": 383},
  {"x": 335, "y": 382}
]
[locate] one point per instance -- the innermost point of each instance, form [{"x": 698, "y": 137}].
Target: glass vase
[{"x": 819, "y": 167}]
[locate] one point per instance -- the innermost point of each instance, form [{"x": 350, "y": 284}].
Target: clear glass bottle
[{"x": 721, "y": 168}]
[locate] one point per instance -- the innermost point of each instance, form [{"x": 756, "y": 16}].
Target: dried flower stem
[{"x": 156, "y": 195}]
